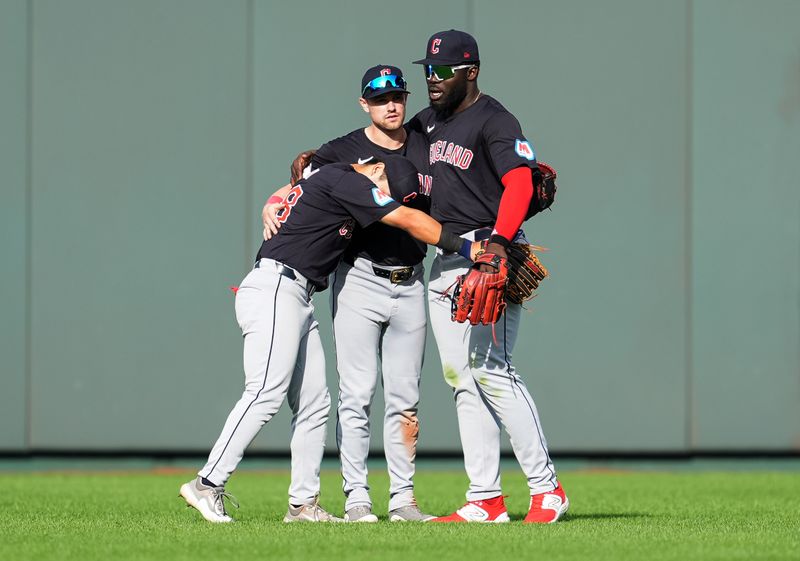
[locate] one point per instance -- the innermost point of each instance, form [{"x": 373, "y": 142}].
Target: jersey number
[{"x": 290, "y": 200}]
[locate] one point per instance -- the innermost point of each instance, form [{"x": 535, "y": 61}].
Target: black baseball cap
[
  {"x": 402, "y": 176},
  {"x": 451, "y": 48},
  {"x": 382, "y": 79}
]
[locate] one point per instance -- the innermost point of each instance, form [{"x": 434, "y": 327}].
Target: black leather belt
[
  {"x": 290, "y": 273},
  {"x": 395, "y": 276}
]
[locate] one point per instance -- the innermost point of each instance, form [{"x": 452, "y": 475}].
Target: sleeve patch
[
  {"x": 524, "y": 149},
  {"x": 381, "y": 198}
]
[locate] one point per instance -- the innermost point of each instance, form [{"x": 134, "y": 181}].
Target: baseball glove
[
  {"x": 525, "y": 272},
  {"x": 544, "y": 192},
  {"x": 480, "y": 296}
]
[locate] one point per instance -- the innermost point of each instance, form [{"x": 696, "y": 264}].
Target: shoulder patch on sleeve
[
  {"x": 524, "y": 149},
  {"x": 381, "y": 198}
]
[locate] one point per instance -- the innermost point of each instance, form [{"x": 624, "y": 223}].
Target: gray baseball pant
[
  {"x": 283, "y": 358},
  {"x": 487, "y": 389},
  {"x": 378, "y": 323}
]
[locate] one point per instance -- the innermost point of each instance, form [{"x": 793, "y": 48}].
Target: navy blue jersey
[
  {"x": 469, "y": 153},
  {"x": 382, "y": 244},
  {"x": 322, "y": 214}
]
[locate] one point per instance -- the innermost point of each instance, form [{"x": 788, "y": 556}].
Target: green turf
[{"x": 615, "y": 515}]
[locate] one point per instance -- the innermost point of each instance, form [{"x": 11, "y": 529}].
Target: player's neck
[
  {"x": 391, "y": 140},
  {"x": 472, "y": 96}
]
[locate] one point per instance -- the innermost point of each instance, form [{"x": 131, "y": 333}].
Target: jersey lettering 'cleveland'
[
  {"x": 468, "y": 154},
  {"x": 322, "y": 212},
  {"x": 382, "y": 244}
]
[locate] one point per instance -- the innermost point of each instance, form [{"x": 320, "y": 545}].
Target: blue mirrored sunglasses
[{"x": 382, "y": 82}]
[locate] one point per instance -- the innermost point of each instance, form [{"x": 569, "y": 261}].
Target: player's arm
[
  {"x": 517, "y": 194},
  {"x": 513, "y": 159},
  {"x": 424, "y": 228},
  {"x": 269, "y": 214}
]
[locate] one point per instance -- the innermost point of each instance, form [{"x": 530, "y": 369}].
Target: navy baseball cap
[
  {"x": 402, "y": 176},
  {"x": 382, "y": 79},
  {"x": 450, "y": 48}
]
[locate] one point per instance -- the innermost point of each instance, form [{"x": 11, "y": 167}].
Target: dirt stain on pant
[{"x": 410, "y": 429}]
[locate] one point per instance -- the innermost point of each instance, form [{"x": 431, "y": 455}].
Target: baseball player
[
  {"x": 283, "y": 355},
  {"x": 484, "y": 171},
  {"x": 378, "y": 309}
]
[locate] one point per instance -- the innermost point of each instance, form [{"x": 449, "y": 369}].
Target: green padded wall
[
  {"x": 139, "y": 183},
  {"x": 600, "y": 89},
  {"x": 746, "y": 209},
  {"x": 138, "y": 141},
  {"x": 14, "y": 290}
]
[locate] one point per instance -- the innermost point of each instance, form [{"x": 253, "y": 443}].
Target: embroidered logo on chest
[{"x": 450, "y": 153}]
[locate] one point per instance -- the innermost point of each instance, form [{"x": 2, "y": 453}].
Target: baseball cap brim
[{"x": 442, "y": 61}]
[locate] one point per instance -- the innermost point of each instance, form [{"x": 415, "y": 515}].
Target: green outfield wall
[{"x": 138, "y": 140}]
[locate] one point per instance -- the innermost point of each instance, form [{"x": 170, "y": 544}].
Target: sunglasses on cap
[
  {"x": 382, "y": 82},
  {"x": 441, "y": 71}
]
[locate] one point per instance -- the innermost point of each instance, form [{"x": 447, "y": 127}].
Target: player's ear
[
  {"x": 377, "y": 170},
  {"x": 364, "y": 105},
  {"x": 472, "y": 72}
]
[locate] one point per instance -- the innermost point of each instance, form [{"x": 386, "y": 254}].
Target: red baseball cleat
[
  {"x": 488, "y": 510},
  {"x": 548, "y": 507}
]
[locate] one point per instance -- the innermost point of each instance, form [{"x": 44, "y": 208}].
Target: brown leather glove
[{"x": 479, "y": 296}]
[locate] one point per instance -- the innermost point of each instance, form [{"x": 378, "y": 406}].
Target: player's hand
[
  {"x": 475, "y": 250},
  {"x": 269, "y": 216},
  {"x": 497, "y": 249},
  {"x": 301, "y": 161}
]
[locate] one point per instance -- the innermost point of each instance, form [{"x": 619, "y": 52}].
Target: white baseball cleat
[
  {"x": 311, "y": 512},
  {"x": 207, "y": 500},
  {"x": 360, "y": 513}
]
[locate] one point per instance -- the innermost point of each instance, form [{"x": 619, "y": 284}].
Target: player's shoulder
[
  {"x": 496, "y": 117},
  {"x": 328, "y": 174},
  {"x": 353, "y": 137},
  {"x": 418, "y": 122},
  {"x": 492, "y": 106},
  {"x": 343, "y": 176}
]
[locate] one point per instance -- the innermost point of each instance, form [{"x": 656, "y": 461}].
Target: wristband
[
  {"x": 500, "y": 240},
  {"x": 466, "y": 249},
  {"x": 274, "y": 199},
  {"x": 448, "y": 241}
]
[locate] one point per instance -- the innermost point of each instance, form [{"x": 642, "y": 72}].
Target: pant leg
[
  {"x": 489, "y": 352},
  {"x": 507, "y": 395},
  {"x": 357, "y": 328},
  {"x": 478, "y": 427},
  {"x": 272, "y": 312},
  {"x": 310, "y": 403},
  {"x": 402, "y": 352}
]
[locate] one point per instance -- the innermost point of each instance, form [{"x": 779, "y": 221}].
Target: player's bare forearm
[
  {"x": 283, "y": 191},
  {"x": 418, "y": 224},
  {"x": 269, "y": 214},
  {"x": 425, "y": 229}
]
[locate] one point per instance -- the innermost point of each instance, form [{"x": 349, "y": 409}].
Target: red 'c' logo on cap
[
  {"x": 435, "y": 45},
  {"x": 386, "y": 71}
]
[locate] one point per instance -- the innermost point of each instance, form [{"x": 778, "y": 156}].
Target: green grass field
[{"x": 615, "y": 515}]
